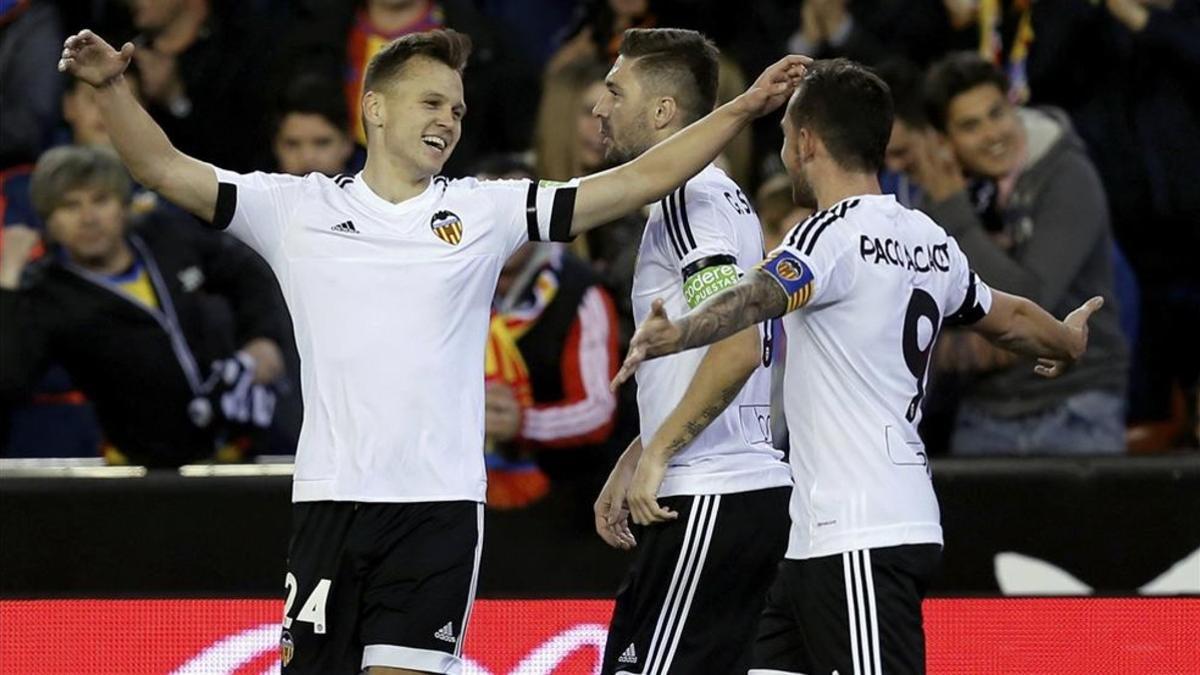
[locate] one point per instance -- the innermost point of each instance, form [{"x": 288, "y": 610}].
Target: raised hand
[
  {"x": 655, "y": 337},
  {"x": 1077, "y": 323},
  {"x": 18, "y": 243},
  {"x": 89, "y": 58},
  {"x": 776, "y": 84}
]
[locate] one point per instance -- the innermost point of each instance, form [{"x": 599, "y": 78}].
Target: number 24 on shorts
[{"x": 313, "y": 610}]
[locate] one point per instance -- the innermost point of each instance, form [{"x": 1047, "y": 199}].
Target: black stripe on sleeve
[
  {"x": 814, "y": 227},
  {"x": 531, "y": 223},
  {"x": 226, "y": 206},
  {"x": 687, "y": 227},
  {"x": 801, "y": 227},
  {"x": 562, "y": 213},
  {"x": 669, "y": 226},
  {"x": 970, "y": 311},
  {"x": 706, "y": 262},
  {"x": 817, "y": 234}
]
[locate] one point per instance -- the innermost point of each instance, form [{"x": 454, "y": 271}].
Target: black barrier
[{"x": 1111, "y": 526}]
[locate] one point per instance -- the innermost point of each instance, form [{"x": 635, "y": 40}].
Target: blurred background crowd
[{"x": 1057, "y": 140}]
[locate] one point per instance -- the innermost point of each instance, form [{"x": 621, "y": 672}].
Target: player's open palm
[
  {"x": 657, "y": 336},
  {"x": 89, "y": 58},
  {"x": 775, "y": 85},
  {"x": 1077, "y": 322}
]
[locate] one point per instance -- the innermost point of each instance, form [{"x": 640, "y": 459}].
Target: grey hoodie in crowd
[{"x": 1058, "y": 218}]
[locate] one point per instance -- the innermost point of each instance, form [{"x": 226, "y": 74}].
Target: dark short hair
[
  {"x": 311, "y": 94},
  {"x": 447, "y": 46},
  {"x": 957, "y": 73},
  {"x": 71, "y": 167},
  {"x": 849, "y": 108},
  {"x": 906, "y": 83},
  {"x": 676, "y": 62}
]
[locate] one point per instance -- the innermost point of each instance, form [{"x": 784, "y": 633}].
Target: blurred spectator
[
  {"x": 1030, "y": 213},
  {"x": 567, "y": 137},
  {"x": 203, "y": 77},
  {"x": 776, "y": 209},
  {"x": 126, "y": 311},
  {"x": 30, "y": 42},
  {"x": 869, "y": 31},
  {"x": 338, "y": 39},
  {"x": 312, "y": 130},
  {"x": 1126, "y": 72},
  {"x": 910, "y": 131},
  {"x": 598, "y": 29}
]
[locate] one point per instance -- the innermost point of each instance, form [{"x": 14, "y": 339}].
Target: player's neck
[
  {"x": 391, "y": 181},
  {"x": 842, "y": 184}
]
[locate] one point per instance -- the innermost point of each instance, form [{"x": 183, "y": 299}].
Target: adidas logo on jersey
[
  {"x": 446, "y": 633},
  {"x": 347, "y": 227},
  {"x": 628, "y": 656}
]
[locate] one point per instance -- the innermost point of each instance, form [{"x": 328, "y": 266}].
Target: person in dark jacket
[
  {"x": 132, "y": 314},
  {"x": 1015, "y": 187}
]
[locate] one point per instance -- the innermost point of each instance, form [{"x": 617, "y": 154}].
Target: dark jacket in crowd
[
  {"x": 1135, "y": 100},
  {"x": 142, "y": 368},
  {"x": 1061, "y": 255}
]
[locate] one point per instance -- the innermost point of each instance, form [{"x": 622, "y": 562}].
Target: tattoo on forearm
[
  {"x": 693, "y": 427},
  {"x": 755, "y": 298}
]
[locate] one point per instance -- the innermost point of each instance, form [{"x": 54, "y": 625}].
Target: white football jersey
[
  {"x": 699, "y": 240},
  {"x": 391, "y": 307},
  {"x": 870, "y": 284}
]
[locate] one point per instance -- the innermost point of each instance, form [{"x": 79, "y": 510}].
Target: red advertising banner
[{"x": 565, "y": 637}]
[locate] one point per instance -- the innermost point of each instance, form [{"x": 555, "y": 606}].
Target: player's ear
[
  {"x": 665, "y": 111},
  {"x": 374, "y": 109},
  {"x": 806, "y": 144}
]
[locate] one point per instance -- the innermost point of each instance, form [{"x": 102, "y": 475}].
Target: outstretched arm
[
  {"x": 1020, "y": 326},
  {"x": 143, "y": 146},
  {"x": 610, "y": 194},
  {"x": 754, "y": 299}
]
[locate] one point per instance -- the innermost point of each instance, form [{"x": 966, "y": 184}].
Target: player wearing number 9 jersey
[{"x": 865, "y": 286}]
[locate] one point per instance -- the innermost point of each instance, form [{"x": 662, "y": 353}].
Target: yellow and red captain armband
[{"x": 793, "y": 275}]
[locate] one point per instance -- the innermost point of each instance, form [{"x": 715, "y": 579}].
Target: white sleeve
[
  {"x": 533, "y": 210},
  {"x": 256, "y": 207},
  {"x": 701, "y": 238},
  {"x": 968, "y": 298},
  {"x": 811, "y": 263}
]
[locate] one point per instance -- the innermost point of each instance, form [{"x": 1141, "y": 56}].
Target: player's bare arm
[
  {"x": 722, "y": 373},
  {"x": 610, "y": 194},
  {"x": 1020, "y": 325},
  {"x": 141, "y": 143},
  {"x": 754, "y": 299}
]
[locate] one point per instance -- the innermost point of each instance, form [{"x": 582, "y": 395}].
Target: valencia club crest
[{"x": 447, "y": 226}]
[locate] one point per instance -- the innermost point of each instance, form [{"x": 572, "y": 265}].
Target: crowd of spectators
[{"x": 1058, "y": 142}]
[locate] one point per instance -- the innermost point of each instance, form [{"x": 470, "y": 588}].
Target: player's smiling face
[
  {"x": 422, "y": 116},
  {"x": 624, "y": 118},
  {"x": 983, "y": 128}
]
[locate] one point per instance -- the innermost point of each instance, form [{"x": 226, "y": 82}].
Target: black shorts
[
  {"x": 697, "y": 585},
  {"x": 379, "y": 585},
  {"x": 854, "y": 613}
]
